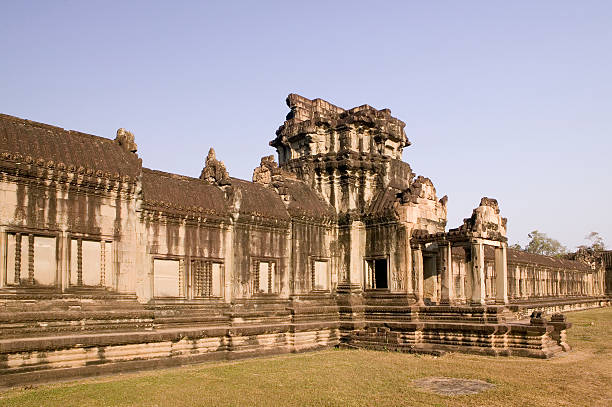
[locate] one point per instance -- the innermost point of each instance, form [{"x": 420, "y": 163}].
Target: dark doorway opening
[{"x": 380, "y": 273}]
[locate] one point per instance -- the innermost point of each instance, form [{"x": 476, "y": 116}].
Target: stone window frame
[
  {"x": 209, "y": 261},
  {"x": 30, "y": 235},
  {"x": 313, "y": 260},
  {"x": 181, "y": 275},
  {"x": 273, "y": 286},
  {"x": 369, "y": 283},
  {"x": 104, "y": 274}
]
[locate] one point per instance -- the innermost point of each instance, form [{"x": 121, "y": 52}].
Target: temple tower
[{"x": 346, "y": 155}]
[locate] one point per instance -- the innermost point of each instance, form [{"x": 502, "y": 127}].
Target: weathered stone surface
[
  {"x": 106, "y": 265},
  {"x": 214, "y": 171}
]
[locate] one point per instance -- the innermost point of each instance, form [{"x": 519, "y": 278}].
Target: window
[
  {"x": 376, "y": 273},
  {"x": 207, "y": 278},
  {"x": 166, "y": 281},
  {"x": 320, "y": 275},
  {"x": 31, "y": 259},
  {"x": 90, "y": 263},
  {"x": 265, "y": 276}
]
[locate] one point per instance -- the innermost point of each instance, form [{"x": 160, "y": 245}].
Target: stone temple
[{"x": 106, "y": 265}]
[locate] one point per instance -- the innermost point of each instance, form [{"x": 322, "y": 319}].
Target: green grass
[{"x": 357, "y": 378}]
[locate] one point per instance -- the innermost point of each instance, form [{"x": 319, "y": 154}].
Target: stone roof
[
  {"x": 165, "y": 191},
  {"x": 172, "y": 192},
  {"x": 260, "y": 201},
  {"x": 521, "y": 257},
  {"x": 383, "y": 202},
  {"x": 52, "y": 146},
  {"x": 306, "y": 203}
]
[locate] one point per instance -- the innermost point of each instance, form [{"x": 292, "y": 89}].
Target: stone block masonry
[{"x": 106, "y": 265}]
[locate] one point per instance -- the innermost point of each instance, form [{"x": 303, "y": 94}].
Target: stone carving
[
  {"x": 126, "y": 140},
  {"x": 266, "y": 170},
  {"x": 586, "y": 255},
  {"x": 486, "y": 221},
  {"x": 214, "y": 171},
  {"x": 421, "y": 188}
]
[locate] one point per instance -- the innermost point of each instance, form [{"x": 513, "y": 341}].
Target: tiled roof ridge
[
  {"x": 173, "y": 175},
  {"x": 50, "y": 127},
  {"x": 35, "y": 144},
  {"x": 533, "y": 257}
]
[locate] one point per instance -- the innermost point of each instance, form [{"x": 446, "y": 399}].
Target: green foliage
[
  {"x": 542, "y": 244},
  {"x": 597, "y": 242}
]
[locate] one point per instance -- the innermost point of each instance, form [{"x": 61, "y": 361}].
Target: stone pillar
[
  {"x": 461, "y": 280},
  {"x": 31, "y": 259},
  {"x": 116, "y": 268},
  {"x": 228, "y": 263},
  {"x": 448, "y": 287},
  {"x": 409, "y": 265},
  {"x": 189, "y": 277},
  {"x": 524, "y": 294},
  {"x": 501, "y": 275},
  {"x": 478, "y": 265},
  {"x": 287, "y": 283},
  {"x": 3, "y": 270},
  {"x": 517, "y": 282},
  {"x": 18, "y": 258},
  {"x": 417, "y": 257},
  {"x": 79, "y": 262},
  {"x": 63, "y": 261},
  {"x": 435, "y": 297},
  {"x": 355, "y": 270}
]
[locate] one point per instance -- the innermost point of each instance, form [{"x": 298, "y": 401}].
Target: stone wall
[{"x": 106, "y": 265}]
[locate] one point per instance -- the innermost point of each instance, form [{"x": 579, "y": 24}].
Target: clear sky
[{"x": 506, "y": 99}]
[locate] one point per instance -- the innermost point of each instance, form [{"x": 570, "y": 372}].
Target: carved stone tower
[{"x": 346, "y": 155}]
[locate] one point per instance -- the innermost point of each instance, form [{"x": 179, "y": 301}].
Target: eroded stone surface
[{"x": 105, "y": 262}]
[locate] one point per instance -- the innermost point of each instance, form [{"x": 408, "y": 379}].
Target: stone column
[
  {"x": 434, "y": 279},
  {"x": 31, "y": 259},
  {"x": 228, "y": 263},
  {"x": 116, "y": 268},
  {"x": 461, "y": 280},
  {"x": 18, "y": 259},
  {"x": 524, "y": 283},
  {"x": 355, "y": 270},
  {"x": 63, "y": 261},
  {"x": 3, "y": 243},
  {"x": 517, "y": 282},
  {"x": 287, "y": 284},
  {"x": 448, "y": 286},
  {"x": 79, "y": 262},
  {"x": 478, "y": 265},
  {"x": 501, "y": 275},
  {"x": 417, "y": 257},
  {"x": 409, "y": 264}
]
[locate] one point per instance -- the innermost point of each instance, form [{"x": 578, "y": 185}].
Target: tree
[
  {"x": 542, "y": 244},
  {"x": 597, "y": 242},
  {"x": 515, "y": 246}
]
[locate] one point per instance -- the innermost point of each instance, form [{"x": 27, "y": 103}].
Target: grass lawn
[{"x": 357, "y": 378}]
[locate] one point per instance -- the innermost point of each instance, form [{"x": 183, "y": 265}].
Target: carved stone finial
[
  {"x": 486, "y": 221},
  {"x": 214, "y": 171},
  {"x": 266, "y": 170},
  {"x": 126, "y": 140}
]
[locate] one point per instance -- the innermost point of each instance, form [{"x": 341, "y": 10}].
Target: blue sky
[{"x": 511, "y": 100}]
